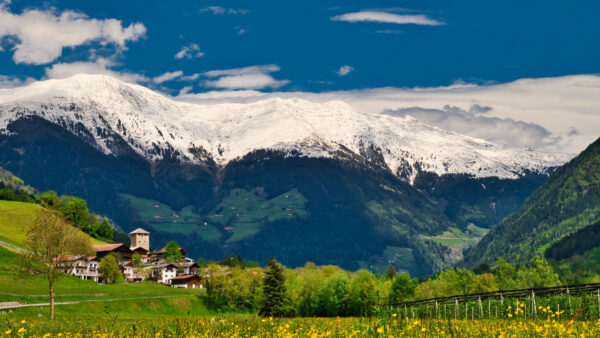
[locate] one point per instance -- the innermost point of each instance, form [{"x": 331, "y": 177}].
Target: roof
[
  {"x": 107, "y": 247},
  {"x": 184, "y": 277},
  {"x": 139, "y": 248},
  {"x": 160, "y": 266},
  {"x": 139, "y": 231}
]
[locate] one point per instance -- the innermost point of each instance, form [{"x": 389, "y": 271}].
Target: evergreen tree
[
  {"x": 391, "y": 272},
  {"x": 274, "y": 291}
]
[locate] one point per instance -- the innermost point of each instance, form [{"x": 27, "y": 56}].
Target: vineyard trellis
[{"x": 580, "y": 301}]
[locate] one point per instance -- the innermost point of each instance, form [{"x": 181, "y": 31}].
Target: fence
[{"x": 581, "y": 301}]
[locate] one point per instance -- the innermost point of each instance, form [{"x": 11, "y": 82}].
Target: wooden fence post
[
  {"x": 533, "y": 305},
  {"x": 598, "y": 303},
  {"x": 455, "y": 308},
  {"x": 480, "y": 307},
  {"x": 569, "y": 299}
]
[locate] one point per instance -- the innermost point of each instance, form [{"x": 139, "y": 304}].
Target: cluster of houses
[{"x": 183, "y": 274}]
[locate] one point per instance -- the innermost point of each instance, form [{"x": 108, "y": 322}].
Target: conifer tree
[
  {"x": 391, "y": 272},
  {"x": 273, "y": 303}
]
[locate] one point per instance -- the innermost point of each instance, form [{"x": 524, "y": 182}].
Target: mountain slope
[
  {"x": 14, "y": 220},
  {"x": 290, "y": 178},
  {"x": 567, "y": 202},
  {"x": 105, "y": 111}
]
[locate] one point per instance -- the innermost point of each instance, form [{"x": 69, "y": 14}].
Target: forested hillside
[
  {"x": 566, "y": 203},
  {"x": 27, "y": 200}
]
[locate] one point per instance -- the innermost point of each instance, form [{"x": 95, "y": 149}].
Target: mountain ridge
[{"x": 99, "y": 108}]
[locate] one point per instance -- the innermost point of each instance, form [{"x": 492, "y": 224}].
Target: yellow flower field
[{"x": 298, "y": 327}]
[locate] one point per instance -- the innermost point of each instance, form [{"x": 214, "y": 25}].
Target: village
[{"x": 151, "y": 266}]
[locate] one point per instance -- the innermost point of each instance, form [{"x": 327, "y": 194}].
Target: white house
[
  {"x": 163, "y": 273},
  {"x": 81, "y": 267}
]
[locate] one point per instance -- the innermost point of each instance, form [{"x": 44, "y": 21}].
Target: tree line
[
  {"x": 328, "y": 291},
  {"x": 72, "y": 208}
]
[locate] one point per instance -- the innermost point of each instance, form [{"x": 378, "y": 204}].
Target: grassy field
[
  {"x": 238, "y": 216},
  {"x": 382, "y": 326},
  {"x": 242, "y": 212},
  {"x": 15, "y": 217}
]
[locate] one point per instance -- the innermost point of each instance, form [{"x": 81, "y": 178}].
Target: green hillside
[
  {"x": 15, "y": 217},
  {"x": 566, "y": 203}
]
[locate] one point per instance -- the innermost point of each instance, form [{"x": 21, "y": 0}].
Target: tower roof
[{"x": 139, "y": 231}]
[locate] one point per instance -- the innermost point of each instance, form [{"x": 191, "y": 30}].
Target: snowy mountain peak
[{"x": 156, "y": 126}]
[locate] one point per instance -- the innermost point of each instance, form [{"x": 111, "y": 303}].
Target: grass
[
  {"x": 242, "y": 212},
  {"x": 20, "y": 286},
  {"x": 162, "y": 218},
  {"x": 238, "y": 216},
  {"x": 15, "y": 217},
  {"x": 382, "y": 326}
]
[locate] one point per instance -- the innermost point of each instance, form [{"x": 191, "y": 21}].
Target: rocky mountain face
[{"x": 291, "y": 178}]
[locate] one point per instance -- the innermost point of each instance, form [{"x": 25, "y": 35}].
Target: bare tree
[{"x": 52, "y": 242}]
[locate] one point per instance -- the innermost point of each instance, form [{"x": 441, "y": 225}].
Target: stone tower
[{"x": 139, "y": 238}]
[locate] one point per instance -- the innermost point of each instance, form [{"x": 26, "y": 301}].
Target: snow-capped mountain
[{"x": 102, "y": 110}]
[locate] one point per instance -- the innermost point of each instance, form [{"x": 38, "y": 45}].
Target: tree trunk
[{"x": 51, "y": 291}]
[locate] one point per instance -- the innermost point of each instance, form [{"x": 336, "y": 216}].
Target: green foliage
[
  {"x": 172, "y": 253},
  {"x": 75, "y": 210},
  {"x": 274, "y": 299},
  {"x": 233, "y": 289},
  {"x": 566, "y": 203},
  {"x": 136, "y": 259},
  {"x": 402, "y": 288},
  {"x": 391, "y": 272},
  {"x": 109, "y": 268},
  {"x": 105, "y": 230},
  {"x": 485, "y": 282},
  {"x": 580, "y": 269},
  {"x": 49, "y": 198},
  {"x": 237, "y": 260},
  {"x": 72, "y": 208}
]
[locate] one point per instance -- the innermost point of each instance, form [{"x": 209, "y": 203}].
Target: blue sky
[
  {"x": 480, "y": 41},
  {"x": 191, "y": 47}
]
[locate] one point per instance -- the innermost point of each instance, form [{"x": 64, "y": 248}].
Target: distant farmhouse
[{"x": 153, "y": 266}]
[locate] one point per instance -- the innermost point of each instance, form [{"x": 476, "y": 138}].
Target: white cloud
[
  {"x": 192, "y": 77},
  {"x": 190, "y": 51},
  {"x": 7, "y": 81},
  {"x": 385, "y": 17},
  {"x": 218, "y": 10},
  {"x": 168, "y": 76},
  {"x": 567, "y": 107},
  {"x": 253, "y": 77},
  {"x": 243, "y": 71},
  {"x": 99, "y": 66},
  {"x": 185, "y": 90},
  {"x": 344, "y": 70},
  {"x": 40, "y": 36},
  {"x": 474, "y": 122},
  {"x": 249, "y": 81},
  {"x": 220, "y": 95}
]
